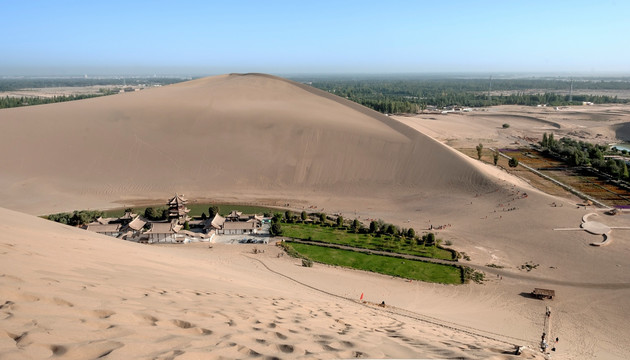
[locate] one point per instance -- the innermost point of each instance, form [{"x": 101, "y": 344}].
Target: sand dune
[
  {"x": 71, "y": 294},
  {"x": 221, "y": 135}
]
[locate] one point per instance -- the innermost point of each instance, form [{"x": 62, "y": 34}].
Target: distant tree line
[
  {"x": 19, "y": 83},
  {"x": 414, "y": 95},
  {"x": 9, "y": 102}
]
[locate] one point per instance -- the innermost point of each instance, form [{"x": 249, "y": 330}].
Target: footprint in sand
[
  {"x": 58, "y": 350},
  {"x": 62, "y": 302},
  {"x": 103, "y": 314},
  {"x": 285, "y": 348},
  {"x": 182, "y": 324},
  {"x": 148, "y": 318},
  {"x": 92, "y": 350}
]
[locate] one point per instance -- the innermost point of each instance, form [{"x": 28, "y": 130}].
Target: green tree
[
  {"x": 303, "y": 216},
  {"x": 212, "y": 211},
  {"x": 150, "y": 213},
  {"x": 479, "y": 151},
  {"x": 356, "y": 225},
  {"x": 322, "y": 217},
  {"x": 411, "y": 233},
  {"x": 288, "y": 215},
  {"x": 276, "y": 229},
  {"x": 204, "y": 216},
  {"x": 495, "y": 157},
  {"x": 339, "y": 221},
  {"x": 624, "y": 171},
  {"x": 545, "y": 141},
  {"x": 186, "y": 226},
  {"x": 513, "y": 162},
  {"x": 373, "y": 227},
  {"x": 277, "y": 218},
  {"x": 430, "y": 239}
]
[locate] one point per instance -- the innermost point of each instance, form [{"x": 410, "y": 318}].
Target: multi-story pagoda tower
[{"x": 177, "y": 209}]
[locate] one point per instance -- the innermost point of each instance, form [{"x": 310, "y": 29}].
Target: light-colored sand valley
[{"x": 256, "y": 138}]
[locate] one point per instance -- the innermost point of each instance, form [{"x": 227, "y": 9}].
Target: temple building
[{"x": 177, "y": 209}]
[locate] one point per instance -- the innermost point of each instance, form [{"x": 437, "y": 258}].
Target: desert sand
[{"x": 256, "y": 138}]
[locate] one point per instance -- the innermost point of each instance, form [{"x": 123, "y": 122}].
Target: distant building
[
  {"x": 163, "y": 232},
  {"x": 234, "y": 223},
  {"x": 105, "y": 229}
]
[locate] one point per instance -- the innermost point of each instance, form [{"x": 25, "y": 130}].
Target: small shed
[{"x": 543, "y": 293}]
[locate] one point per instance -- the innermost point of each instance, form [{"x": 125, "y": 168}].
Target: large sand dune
[
  {"x": 230, "y": 134},
  {"x": 263, "y": 139}
]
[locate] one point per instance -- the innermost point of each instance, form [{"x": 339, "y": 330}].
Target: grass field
[
  {"x": 197, "y": 209},
  {"x": 408, "y": 269},
  {"x": 343, "y": 237}
]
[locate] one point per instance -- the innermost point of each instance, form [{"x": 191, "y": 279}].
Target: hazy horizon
[{"x": 195, "y": 38}]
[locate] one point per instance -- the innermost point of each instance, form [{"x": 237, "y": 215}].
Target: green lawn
[
  {"x": 197, "y": 209},
  {"x": 409, "y": 269},
  {"x": 366, "y": 241}
]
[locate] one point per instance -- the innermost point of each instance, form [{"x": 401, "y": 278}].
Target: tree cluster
[
  {"x": 76, "y": 218},
  {"x": 156, "y": 214},
  {"x": 580, "y": 153}
]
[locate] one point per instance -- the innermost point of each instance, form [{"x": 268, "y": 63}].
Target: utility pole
[{"x": 490, "y": 87}]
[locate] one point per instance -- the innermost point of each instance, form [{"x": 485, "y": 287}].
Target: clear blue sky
[{"x": 288, "y": 37}]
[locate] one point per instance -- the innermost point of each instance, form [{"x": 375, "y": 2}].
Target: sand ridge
[{"x": 224, "y": 134}]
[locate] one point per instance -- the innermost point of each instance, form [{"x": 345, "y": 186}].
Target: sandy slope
[
  {"x": 264, "y": 139},
  {"x": 604, "y": 124},
  {"x": 70, "y": 294},
  {"x": 233, "y": 134}
]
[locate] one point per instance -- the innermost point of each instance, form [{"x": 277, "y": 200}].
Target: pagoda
[{"x": 177, "y": 209}]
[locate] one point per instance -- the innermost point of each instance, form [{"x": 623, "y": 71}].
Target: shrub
[
  {"x": 322, "y": 217},
  {"x": 495, "y": 266},
  {"x": 307, "y": 262},
  {"x": 513, "y": 162},
  {"x": 506, "y": 125}
]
